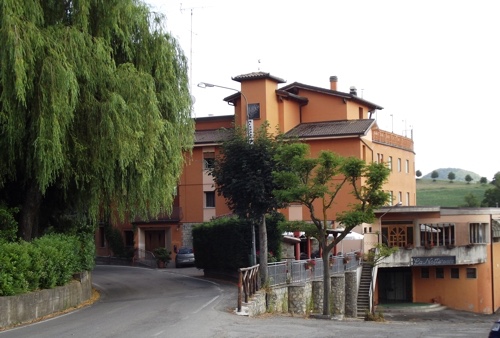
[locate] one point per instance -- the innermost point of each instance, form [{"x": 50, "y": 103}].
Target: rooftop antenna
[{"x": 191, "y": 9}]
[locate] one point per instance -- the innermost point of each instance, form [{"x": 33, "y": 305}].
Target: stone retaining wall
[
  {"x": 28, "y": 307},
  {"x": 307, "y": 298}
]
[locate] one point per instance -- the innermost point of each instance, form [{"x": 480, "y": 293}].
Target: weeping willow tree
[{"x": 94, "y": 109}]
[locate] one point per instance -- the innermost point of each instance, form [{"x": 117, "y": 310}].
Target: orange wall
[
  {"x": 323, "y": 108},
  {"x": 464, "y": 293},
  {"x": 495, "y": 262}
]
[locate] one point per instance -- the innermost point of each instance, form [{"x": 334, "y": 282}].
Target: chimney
[
  {"x": 333, "y": 82},
  {"x": 353, "y": 91}
]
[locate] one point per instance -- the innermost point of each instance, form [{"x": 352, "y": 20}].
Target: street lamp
[
  {"x": 249, "y": 134},
  {"x": 211, "y": 85}
]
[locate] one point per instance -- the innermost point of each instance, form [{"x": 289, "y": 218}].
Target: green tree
[
  {"x": 468, "y": 178},
  {"x": 418, "y": 174},
  {"x": 483, "y": 180},
  {"x": 94, "y": 109},
  {"x": 434, "y": 175},
  {"x": 451, "y": 176},
  {"x": 471, "y": 201},
  {"x": 492, "y": 195},
  {"x": 306, "y": 180},
  {"x": 243, "y": 175}
]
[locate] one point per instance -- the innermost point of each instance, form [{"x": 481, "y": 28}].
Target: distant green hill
[
  {"x": 459, "y": 175},
  {"x": 446, "y": 194}
]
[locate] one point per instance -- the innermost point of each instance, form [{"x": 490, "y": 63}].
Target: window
[
  {"x": 407, "y": 198},
  {"x": 378, "y": 158},
  {"x": 254, "y": 111},
  {"x": 389, "y": 163},
  {"x": 210, "y": 199},
  {"x": 424, "y": 273},
  {"x": 360, "y": 113},
  {"x": 455, "y": 273},
  {"x": 208, "y": 160},
  {"x": 477, "y": 232},
  {"x": 129, "y": 238},
  {"x": 437, "y": 234},
  {"x": 102, "y": 238},
  {"x": 399, "y": 165},
  {"x": 407, "y": 167},
  {"x": 400, "y": 197},
  {"x": 471, "y": 273},
  {"x": 440, "y": 273}
]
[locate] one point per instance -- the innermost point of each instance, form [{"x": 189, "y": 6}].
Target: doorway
[
  {"x": 154, "y": 239},
  {"x": 395, "y": 285}
]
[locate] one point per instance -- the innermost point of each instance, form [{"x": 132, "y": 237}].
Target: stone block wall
[{"x": 28, "y": 307}]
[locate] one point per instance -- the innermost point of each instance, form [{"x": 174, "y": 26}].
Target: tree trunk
[
  {"x": 327, "y": 284},
  {"x": 263, "y": 250},
  {"x": 30, "y": 211}
]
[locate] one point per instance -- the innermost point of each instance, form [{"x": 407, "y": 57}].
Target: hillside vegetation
[
  {"x": 448, "y": 194},
  {"x": 459, "y": 174}
]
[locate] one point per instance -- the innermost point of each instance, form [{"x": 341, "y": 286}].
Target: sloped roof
[
  {"x": 332, "y": 129},
  {"x": 257, "y": 76},
  {"x": 296, "y": 86},
  {"x": 212, "y": 136}
]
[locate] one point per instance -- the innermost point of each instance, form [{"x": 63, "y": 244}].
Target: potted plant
[
  {"x": 310, "y": 264},
  {"x": 162, "y": 257}
]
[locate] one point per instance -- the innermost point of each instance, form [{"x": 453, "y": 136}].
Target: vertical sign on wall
[{"x": 250, "y": 130}]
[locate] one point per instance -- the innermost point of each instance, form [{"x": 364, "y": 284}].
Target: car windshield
[{"x": 185, "y": 251}]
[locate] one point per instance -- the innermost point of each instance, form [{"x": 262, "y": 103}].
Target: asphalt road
[{"x": 139, "y": 302}]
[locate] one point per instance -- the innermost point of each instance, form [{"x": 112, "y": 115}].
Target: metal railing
[
  {"x": 299, "y": 271},
  {"x": 144, "y": 257}
]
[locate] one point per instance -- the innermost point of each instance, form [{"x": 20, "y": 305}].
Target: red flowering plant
[{"x": 310, "y": 264}]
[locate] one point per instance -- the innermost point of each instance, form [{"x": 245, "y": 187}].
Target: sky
[{"x": 434, "y": 65}]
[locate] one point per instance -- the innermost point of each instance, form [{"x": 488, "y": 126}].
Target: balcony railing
[
  {"x": 392, "y": 139},
  {"x": 175, "y": 216},
  {"x": 437, "y": 255}
]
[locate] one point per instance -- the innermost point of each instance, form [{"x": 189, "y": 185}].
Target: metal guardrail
[{"x": 300, "y": 271}]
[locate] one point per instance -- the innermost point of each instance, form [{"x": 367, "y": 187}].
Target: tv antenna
[{"x": 191, "y": 10}]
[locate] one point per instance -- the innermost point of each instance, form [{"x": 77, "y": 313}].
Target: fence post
[{"x": 240, "y": 289}]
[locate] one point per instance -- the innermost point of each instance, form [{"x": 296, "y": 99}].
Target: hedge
[
  {"x": 225, "y": 244},
  {"x": 46, "y": 262}
]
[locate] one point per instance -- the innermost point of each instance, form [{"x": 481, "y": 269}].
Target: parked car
[
  {"x": 495, "y": 330},
  {"x": 184, "y": 257}
]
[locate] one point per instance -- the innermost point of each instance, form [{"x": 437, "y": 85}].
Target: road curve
[{"x": 138, "y": 302}]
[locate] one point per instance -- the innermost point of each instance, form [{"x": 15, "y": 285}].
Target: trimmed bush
[
  {"x": 226, "y": 243},
  {"x": 48, "y": 261}
]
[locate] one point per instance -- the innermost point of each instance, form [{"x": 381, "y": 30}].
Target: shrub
[{"x": 46, "y": 262}]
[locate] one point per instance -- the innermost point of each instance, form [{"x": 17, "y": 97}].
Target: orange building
[{"x": 450, "y": 256}]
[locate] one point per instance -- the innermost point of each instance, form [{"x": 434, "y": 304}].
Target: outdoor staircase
[{"x": 363, "y": 305}]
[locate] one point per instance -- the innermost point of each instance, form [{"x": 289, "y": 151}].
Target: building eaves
[
  {"x": 332, "y": 129},
  {"x": 300, "y": 99},
  {"x": 296, "y": 86},
  {"x": 212, "y": 136},
  {"x": 257, "y": 76}
]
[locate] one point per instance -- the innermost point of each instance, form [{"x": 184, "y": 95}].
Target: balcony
[
  {"x": 438, "y": 255},
  {"x": 173, "y": 217},
  {"x": 392, "y": 139}
]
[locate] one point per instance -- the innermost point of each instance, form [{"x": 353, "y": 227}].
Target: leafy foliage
[
  {"x": 451, "y": 176},
  {"x": 492, "y": 195},
  {"x": 243, "y": 175},
  {"x": 94, "y": 108},
  {"x": 309, "y": 180},
  {"x": 46, "y": 262},
  {"x": 8, "y": 224},
  {"x": 434, "y": 175},
  {"x": 468, "y": 178},
  {"x": 224, "y": 244}
]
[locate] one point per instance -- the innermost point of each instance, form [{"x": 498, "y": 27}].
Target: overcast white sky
[{"x": 434, "y": 65}]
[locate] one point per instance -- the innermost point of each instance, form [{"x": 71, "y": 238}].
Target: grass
[{"x": 446, "y": 194}]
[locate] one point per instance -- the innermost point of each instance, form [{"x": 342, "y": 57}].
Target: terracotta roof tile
[
  {"x": 211, "y": 136},
  {"x": 332, "y": 128}
]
